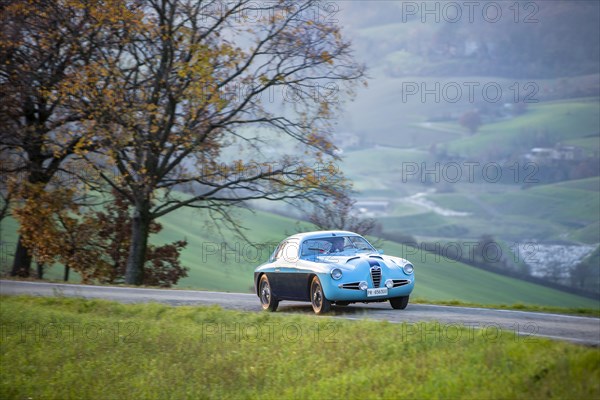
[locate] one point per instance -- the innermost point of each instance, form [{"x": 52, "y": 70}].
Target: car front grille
[{"x": 376, "y": 276}]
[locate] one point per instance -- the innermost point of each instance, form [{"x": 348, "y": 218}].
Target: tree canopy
[{"x": 227, "y": 101}]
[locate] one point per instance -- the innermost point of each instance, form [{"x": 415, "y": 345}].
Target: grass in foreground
[{"x": 75, "y": 348}]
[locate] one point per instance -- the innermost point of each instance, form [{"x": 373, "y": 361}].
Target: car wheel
[
  {"x": 267, "y": 300},
  {"x": 399, "y": 303},
  {"x": 319, "y": 303}
]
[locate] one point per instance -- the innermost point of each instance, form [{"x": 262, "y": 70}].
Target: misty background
[{"x": 480, "y": 124}]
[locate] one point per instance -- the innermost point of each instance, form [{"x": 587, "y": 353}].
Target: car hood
[{"x": 361, "y": 261}]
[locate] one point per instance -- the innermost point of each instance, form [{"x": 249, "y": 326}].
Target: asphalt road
[{"x": 518, "y": 325}]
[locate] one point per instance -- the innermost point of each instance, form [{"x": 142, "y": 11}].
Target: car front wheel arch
[
  {"x": 308, "y": 283},
  {"x": 319, "y": 302}
]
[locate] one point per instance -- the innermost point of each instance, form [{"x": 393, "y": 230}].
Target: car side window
[
  {"x": 314, "y": 247},
  {"x": 279, "y": 251},
  {"x": 289, "y": 251}
]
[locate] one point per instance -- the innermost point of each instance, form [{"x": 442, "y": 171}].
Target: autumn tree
[
  {"x": 54, "y": 229},
  {"x": 43, "y": 44},
  {"x": 471, "y": 120},
  {"x": 5, "y": 193},
  {"x": 162, "y": 263},
  {"x": 200, "y": 95}
]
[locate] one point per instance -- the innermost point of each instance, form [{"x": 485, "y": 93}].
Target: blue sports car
[{"x": 332, "y": 267}]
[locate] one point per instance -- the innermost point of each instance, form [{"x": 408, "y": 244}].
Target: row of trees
[{"x": 158, "y": 97}]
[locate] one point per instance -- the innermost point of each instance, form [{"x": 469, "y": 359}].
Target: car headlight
[
  {"x": 408, "y": 269},
  {"x": 336, "y": 273},
  {"x": 363, "y": 285},
  {"x": 389, "y": 284}
]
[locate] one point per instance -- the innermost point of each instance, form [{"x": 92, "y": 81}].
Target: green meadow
[{"x": 58, "y": 348}]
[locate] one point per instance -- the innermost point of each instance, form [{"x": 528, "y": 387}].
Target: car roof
[{"x": 321, "y": 234}]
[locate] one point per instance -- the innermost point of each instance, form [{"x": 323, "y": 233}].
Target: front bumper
[{"x": 340, "y": 291}]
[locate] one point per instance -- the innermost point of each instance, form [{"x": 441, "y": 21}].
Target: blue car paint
[{"x": 288, "y": 273}]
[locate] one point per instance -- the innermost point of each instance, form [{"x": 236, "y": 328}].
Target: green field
[
  {"x": 403, "y": 125},
  {"x": 561, "y": 211},
  {"x": 554, "y": 121},
  {"x": 399, "y": 119},
  {"x": 543, "y": 211},
  {"x": 381, "y": 171},
  {"x": 559, "y": 204},
  {"x": 74, "y": 348}
]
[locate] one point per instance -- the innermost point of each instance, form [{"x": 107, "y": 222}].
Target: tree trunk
[
  {"x": 66, "y": 275},
  {"x": 22, "y": 261},
  {"x": 40, "y": 270},
  {"x": 134, "y": 273}
]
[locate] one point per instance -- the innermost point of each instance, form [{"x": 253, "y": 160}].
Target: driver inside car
[{"x": 337, "y": 245}]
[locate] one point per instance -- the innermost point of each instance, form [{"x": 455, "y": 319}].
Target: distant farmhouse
[
  {"x": 373, "y": 207},
  {"x": 558, "y": 153}
]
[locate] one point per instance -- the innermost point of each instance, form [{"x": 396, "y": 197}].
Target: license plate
[{"x": 377, "y": 292}]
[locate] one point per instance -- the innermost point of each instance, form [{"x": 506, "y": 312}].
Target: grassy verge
[
  {"x": 74, "y": 348},
  {"x": 584, "y": 312}
]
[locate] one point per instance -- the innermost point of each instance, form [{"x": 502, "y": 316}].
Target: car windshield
[{"x": 348, "y": 245}]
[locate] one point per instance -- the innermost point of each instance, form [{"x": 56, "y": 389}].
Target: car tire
[
  {"x": 267, "y": 300},
  {"x": 319, "y": 302},
  {"x": 399, "y": 303}
]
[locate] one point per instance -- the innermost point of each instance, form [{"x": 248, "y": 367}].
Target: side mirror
[{"x": 380, "y": 251}]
